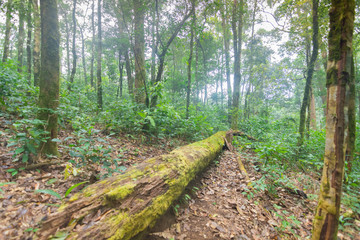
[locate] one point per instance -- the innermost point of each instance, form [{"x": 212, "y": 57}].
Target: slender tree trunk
[
  {"x": 37, "y": 41},
  {"x": 139, "y": 51},
  {"x": 189, "y": 63},
  {"x": 92, "y": 44},
  {"x": 83, "y": 55},
  {"x": 99, "y": 52},
  {"x": 312, "y": 111},
  {"x": 73, "y": 71},
  {"x": 310, "y": 71},
  {"x": 49, "y": 74},
  {"x": 237, "y": 39},
  {"x": 226, "y": 34},
  {"x": 130, "y": 79},
  {"x": 205, "y": 73},
  {"x": 196, "y": 71},
  {"x": 7, "y": 31},
  {"x": 67, "y": 46},
  {"x": 28, "y": 40},
  {"x": 21, "y": 37},
  {"x": 121, "y": 67},
  {"x": 163, "y": 54},
  {"x": 338, "y": 76},
  {"x": 153, "y": 44}
]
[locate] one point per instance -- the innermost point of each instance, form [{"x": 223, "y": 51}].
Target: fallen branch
[{"x": 126, "y": 205}]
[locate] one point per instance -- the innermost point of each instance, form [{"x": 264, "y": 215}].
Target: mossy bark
[
  {"x": 74, "y": 55},
  {"x": 326, "y": 219},
  {"x": 49, "y": 74},
  {"x": 123, "y": 206}
]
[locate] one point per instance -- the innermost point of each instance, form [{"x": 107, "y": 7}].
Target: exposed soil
[{"x": 219, "y": 205}]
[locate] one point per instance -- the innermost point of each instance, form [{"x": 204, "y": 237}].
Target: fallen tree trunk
[{"x": 123, "y": 206}]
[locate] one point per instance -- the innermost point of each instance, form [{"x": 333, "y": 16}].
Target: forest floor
[{"x": 218, "y": 205}]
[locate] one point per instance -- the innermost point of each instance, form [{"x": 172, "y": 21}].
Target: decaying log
[
  {"x": 125, "y": 205},
  {"x": 240, "y": 133}
]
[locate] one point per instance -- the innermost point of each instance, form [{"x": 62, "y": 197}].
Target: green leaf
[
  {"x": 60, "y": 236},
  {"x": 56, "y": 140},
  {"x": 49, "y": 191},
  {"x": 152, "y": 122},
  {"x": 72, "y": 187},
  {"x": 25, "y": 157},
  {"x": 19, "y": 150},
  {"x": 51, "y": 181},
  {"x": 142, "y": 114}
]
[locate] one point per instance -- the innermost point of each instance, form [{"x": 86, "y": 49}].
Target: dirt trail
[{"x": 221, "y": 209}]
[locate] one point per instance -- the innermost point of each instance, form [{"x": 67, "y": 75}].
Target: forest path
[{"x": 223, "y": 207}]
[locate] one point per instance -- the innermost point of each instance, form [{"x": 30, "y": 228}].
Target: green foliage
[{"x": 57, "y": 195}]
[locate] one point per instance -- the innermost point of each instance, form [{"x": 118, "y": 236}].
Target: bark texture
[
  {"x": 74, "y": 55},
  {"x": 188, "y": 88},
  {"x": 49, "y": 74},
  {"x": 139, "y": 51},
  {"x": 7, "y": 31},
  {"x": 21, "y": 37},
  {"x": 130, "y": 203},
  {"x": 37, "y": 41},
  {"x": 326, "y": 219}
]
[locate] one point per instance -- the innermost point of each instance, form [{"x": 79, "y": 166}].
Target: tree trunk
[
  {"x": 37, "y": 41},
  {"x": 310, "y": 71},
  {"x": 92, "y": 44},
  {"x": 99, "y": 52},
  {"x": 188, "y": 89},
  {"x": 7, "y": 31},
  {"x": 49, "y": 74},
  {"x": 130, "y": 203},
  {"x": 121, "y": 67},
  {"x": 312, "y": 111},
  {"x": 237, "y": 36},
  {"x": 67, "y": 46},
  {"x": 28, "y": 40},
  {"x": 73, "y": 71},
  {"x": 83, "y": 55},
  {"x": 326, "y": 220},
  {"x": 130, "y": 79},
  {"x": 350, "y": 141},
  {"x": 163, "y": 54},
  {"x": 226, "y": 34},
  {"x": 139, "y": 51},
  {"x": 21, "y": 37}
]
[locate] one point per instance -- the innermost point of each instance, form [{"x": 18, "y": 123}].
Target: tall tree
[
  {"x": 226, "y": 36},
  {"x": 83, "y": 54},
  {"x": 192, "y": 28},
  {"x": 49, "y": 74},
  {"x": 164, "y": 51},
  {"x": 92, "y": 43},
  {"x": 21, "y": 37},
  {"x": 7, "y": 31},
  {"x": 338, "y": 77},
  {"x": 73, "y": 71},
  {"x": 310, "y": 70},
  {"x": 236, "y": 25},
  {"x": 37, "y": 41},
  {"x": 28, "y": 40},
  {"x": 139, "y": 51},
  {"x": 99, "y": 52}
]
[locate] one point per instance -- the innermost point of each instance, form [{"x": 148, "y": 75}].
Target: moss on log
[{"x": 123, "y": 206}]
